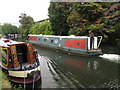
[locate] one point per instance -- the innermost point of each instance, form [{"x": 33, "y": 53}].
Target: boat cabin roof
[
  {"x": 71, "y": 36},
  {"x": 7, "y": 42}
]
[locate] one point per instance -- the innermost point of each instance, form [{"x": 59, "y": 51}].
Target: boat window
[
  {"x": 39, "y": 39},
  {"x": 51, "y": 41},
  {"x": 44, "y": 40}
]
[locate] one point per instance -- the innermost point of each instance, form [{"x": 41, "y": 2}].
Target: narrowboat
[
  {"x": 20, "y": 61},
  {"x": 77, "y": 45}
]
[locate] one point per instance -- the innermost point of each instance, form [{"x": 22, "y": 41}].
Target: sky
[{"x": 10, "y": 10}]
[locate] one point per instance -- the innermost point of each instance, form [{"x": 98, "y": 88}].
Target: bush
[{"x": 41, "y": 28}]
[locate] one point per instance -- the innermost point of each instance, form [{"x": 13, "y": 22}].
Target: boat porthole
[
  {"x": 44, "y": 40},
  {"x": 56, "y": 41},
  {"x": 51, "y": 41},
  {"x": 78, "y": 43}
]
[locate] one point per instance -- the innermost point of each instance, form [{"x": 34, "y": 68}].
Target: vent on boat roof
[{"x": 6, "y": 40}]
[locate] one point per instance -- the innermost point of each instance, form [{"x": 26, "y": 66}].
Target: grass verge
[{"x": 4, "y": 82}]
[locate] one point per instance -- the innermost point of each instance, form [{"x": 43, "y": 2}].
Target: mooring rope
[
  {"x": 24, "y": 78},
  {"x": 34, "y": 75},
  {"x": 34, "y": 78}
]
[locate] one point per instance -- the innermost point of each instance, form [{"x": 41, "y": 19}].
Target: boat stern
[
  {"x": 94, "y": 52},
  {"x": 25, "y": 76}
]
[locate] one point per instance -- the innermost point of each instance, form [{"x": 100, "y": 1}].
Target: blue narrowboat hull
[{"x": 70, "y": 44}]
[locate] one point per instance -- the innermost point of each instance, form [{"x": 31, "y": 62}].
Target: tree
[
  {"x": 42, "y": 28},
  {"x": 58, "y": 13},
  {"x": 8, "y": 28},
  {"x": 103, "y": 18},
  {"x": 26, "y": 23}
]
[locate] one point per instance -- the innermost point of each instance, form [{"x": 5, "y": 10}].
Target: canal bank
[{"x": 4, "y": 82}]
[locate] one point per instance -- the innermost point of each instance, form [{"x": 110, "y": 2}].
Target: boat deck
[
  {"x": 25, "y": 66},
  {"x": 6, "y": 42}
]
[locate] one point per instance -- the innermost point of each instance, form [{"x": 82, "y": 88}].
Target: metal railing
[{"x": 99, "y": 41}]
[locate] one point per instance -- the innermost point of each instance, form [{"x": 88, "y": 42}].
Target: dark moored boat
[
  {"x": 20, "y": 61},
  {"x": 78, "y": 45}
]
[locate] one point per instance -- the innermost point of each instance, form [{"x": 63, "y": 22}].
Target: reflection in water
[
  {"x": 93, "y": 65},
  {"x": 66, "y": 71}
]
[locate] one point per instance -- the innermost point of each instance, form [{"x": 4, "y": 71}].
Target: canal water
[{"x": 60, "y": 70}]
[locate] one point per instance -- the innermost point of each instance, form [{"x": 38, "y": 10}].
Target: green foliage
[
  {"x": 4, "y": 82},
  {"x": 89, "y": 11},
  {"x": 8, "y": 28},
  {"x": 77, "y": 18},
  {"x": 96, "y": 26},
  {"x": 26, "y": 23},
  {"x": 58, "y": 13},
  {"x": 117, "y": 28},
  {"x": 75, "y": 31},
  {"x": 19, "y": 87},
  {"x": 42, "y": 28},
  {"x": 74, "y": 19}
]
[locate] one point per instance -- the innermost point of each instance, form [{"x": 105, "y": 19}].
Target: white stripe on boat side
[{"x": 22, "y": 73}]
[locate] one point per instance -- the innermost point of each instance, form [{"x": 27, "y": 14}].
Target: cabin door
[
  {"x": 5, "y": 57},
  {"x": 30, "y": 53},
  {"x": 14, "y": 56}
]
